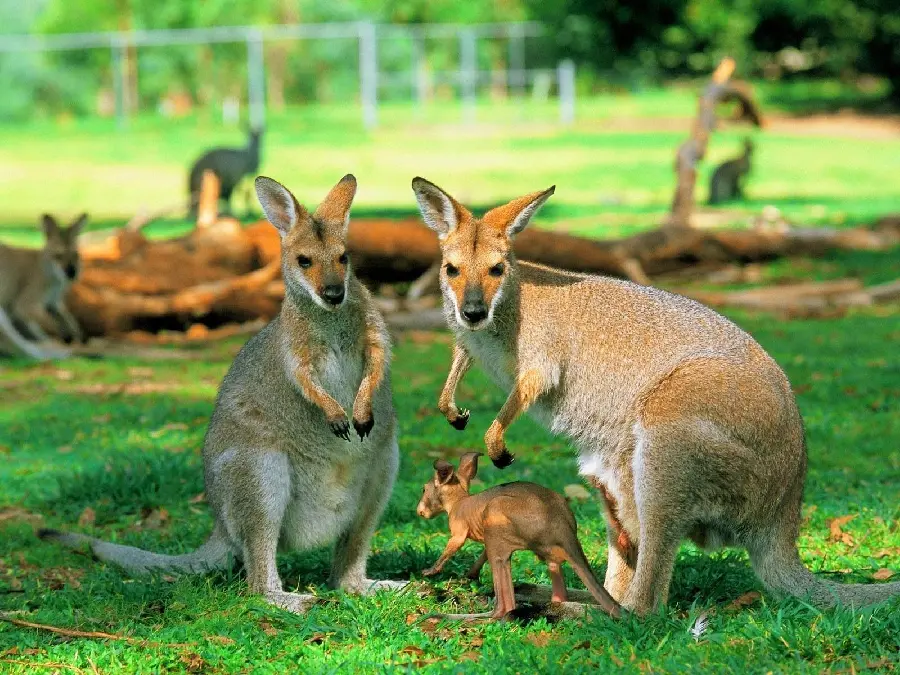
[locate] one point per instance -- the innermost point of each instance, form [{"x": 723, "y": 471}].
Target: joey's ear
[
  {"x": 513, "y": 217},
  {"x": 280, "y": 206},
  {"x": 439, "y": 210},
  {"x": 49, "y": 225},
  {"x": 75, "y": 228},
  {"x": 468, "y": 467},
  {"x": 443, "y": 471},
  {"x": 335, "y": 208}
]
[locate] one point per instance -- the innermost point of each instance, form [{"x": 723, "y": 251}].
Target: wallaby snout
[
  {"x": 474, "y": 309},
  {"x": 333, "y": 294}
]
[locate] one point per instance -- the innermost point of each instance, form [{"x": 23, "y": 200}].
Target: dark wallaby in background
[{"x": 229, "y": 164}]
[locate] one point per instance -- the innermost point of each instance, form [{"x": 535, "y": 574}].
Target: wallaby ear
[
  {"x": 75, "y": 228},
  {"x": 439, "y": 210},
  {"x": 468, "y": 467},
  {"x": 49, "y": 225},
  {"x": 513, "y": 217},
  {"x": 335, "y": 208},
  {"x": 443, "y": 471},
  {"x": 279, "y": 205}
]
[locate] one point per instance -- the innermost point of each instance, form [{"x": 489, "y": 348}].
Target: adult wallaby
[
  {"x": 279, "y": 463},
  {"x": 726, "y": 180},
  {"x": 229, "y": 164},
  {"x": 687, "y": 423},
  {"x": 33, "y": 284},
  {"x": 507, "y": 518}
]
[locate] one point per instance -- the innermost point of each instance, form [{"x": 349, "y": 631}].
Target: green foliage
[{"x": 122, "y": 437}]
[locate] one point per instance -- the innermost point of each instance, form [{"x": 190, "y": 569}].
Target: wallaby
[
  {"x": 507, "y": 518},
  {"x": 688, "y": 424},
  {"x": 726, "y": 180},
  {"x": 229, "y": 164},
  {"x": 33, "y": 284},
  {"x": 280, "y": 467}
]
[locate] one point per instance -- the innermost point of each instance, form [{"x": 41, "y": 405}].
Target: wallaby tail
[
  {"x": 582, "y": 568},
  {"x": 779, "y": 567},
  {"x": 212, "y": 555}
]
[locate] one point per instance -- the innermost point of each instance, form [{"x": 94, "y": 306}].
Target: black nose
[
  {"x": 474, "y": 312},
  {"x": 333, "y": 294},
  {"x": 71, "y": 271}
]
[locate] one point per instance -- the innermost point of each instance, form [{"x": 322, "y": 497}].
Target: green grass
[
  {"x": 613, "y": 168},
  {"x": 122, "y": 437}
]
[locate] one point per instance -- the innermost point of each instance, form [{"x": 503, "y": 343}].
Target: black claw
[
  {"x": 504, "y": 460},
  {"x": 462, "y": 419},
  {"x": 341, "y": 429},
  {"x": 363, "y": 428}
]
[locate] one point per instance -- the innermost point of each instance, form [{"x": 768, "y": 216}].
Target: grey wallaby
[
  {"x": 727, "y": 179},
  {"x": 508, "y": 518},
  {"x": 229, "y": 164},
  {"x": 33, "y": 286},
  {"x": 687, "y": 424},
  {"x": 280, "y": 466}
]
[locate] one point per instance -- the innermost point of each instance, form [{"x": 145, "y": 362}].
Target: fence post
[
  {"x": 468, "y": 73},
  {"x": 516, "y": 78},
  {"x": 566, "y": 85},
  {"x": 117, "y": 45},
  {"x": 256, "y": 79},
  {"x": 419, "y": 76},
  {"x": 368, "y": 73}
]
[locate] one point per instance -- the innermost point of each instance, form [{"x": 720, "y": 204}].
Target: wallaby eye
[
  {"x": 496, "y": 270},
  {"x": 343, "y": 258},
  {"x": 303, "y": 261},
  {"x": 452, "y": 270}
]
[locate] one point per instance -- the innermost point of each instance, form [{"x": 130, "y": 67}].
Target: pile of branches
[{"x": 222, "y": 279}]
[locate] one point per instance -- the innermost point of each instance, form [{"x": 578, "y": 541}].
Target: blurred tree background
[{"x": 614, "y": 43}]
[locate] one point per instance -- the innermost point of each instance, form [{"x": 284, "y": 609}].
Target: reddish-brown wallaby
[
  {"x": 507, "y": 518},
  {"x": 690, "y": 427}
]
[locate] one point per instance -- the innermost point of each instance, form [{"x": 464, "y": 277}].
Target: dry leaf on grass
[
  {"x": 87, "y": 517},
  {"x": 541, "y": 639},
  {"x": 16, "y": 514},
  {"x": 835, "y": 533},
  {"x": 316, "y": 638},
  {"x": 197, "y": 499},
  {"x": 883, "y": 574},
  {"x": 172, "y": 426},
  {"x": 742, "y": 601},
  {"x": 886, "y": 552},
  {"x": 155, "y": 519},
  {"x": 268, "y": 628},
  {"x": 193, "y": 662},
  {"x": 469, "y": 656}
]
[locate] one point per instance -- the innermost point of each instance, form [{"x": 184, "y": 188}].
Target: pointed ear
[
  {"x": 513, "y": 217},
  {"x": 443, "y": 471},
  {"x": 75, "y": 228},
  {"x": 49, "y": 225},
  {"x": 280, "y": 206},
  {"x": 335, "y": 208},
  {"x": 439, "y": 210},
  {"x": 468, "y": 467}
]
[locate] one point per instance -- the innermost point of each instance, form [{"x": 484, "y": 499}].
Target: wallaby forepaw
[
  {"x": 340, "y": 427},
  {"x": 363, "y": 427},
  {"x": 503, "y": 459},
  {"x": 460, "y": 421},
  {"x": 431, "y": 571}
]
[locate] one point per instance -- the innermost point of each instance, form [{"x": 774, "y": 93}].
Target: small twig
[{"x": 96, "y": 635}]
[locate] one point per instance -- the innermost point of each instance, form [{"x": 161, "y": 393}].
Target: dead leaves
[
  {"x": 16, "y": 514},
  {"x": 87, "y": 517},
  {"x": 742, "y": 601},
  {"x": 882, "y": 574},
  {"x": 836, "y": 534}
]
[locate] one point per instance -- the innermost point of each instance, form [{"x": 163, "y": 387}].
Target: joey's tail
[
  {"x": 779, "y": 567},
  {"x": 214, "y": 554},
  {"x": 582, "y": 568}
]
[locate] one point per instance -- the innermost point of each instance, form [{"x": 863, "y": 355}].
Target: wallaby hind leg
[
  {"x": 348, "y": 566},
  {"x": 262, "y": 574}
]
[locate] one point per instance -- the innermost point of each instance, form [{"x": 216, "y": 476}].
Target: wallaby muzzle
[{"x": 474, "y": 309}]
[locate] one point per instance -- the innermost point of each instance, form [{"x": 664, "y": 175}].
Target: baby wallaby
[
  {"x": 280, "y": 466},
  {"x": 508, "y": 518},
  {"x": 33, "y": 285},
  {"x": 687, "y": 424},
  {"x": 726, "y": 181}
]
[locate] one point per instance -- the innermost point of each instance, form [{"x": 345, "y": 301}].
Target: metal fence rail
[{"x": 366, "y": 34}]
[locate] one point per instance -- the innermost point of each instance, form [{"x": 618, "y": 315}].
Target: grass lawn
[
  {"x": 613, "y": 168},
  {"x": 115, "y": 444}
]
